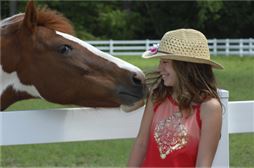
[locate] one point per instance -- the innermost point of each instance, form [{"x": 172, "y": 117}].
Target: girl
[{"x": 183, "y": 116}]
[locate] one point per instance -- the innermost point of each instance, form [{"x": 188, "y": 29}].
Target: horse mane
[{"x": 54, "y": 20}]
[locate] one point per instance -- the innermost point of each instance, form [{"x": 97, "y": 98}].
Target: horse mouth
[
  {"x": 135, "y": 106},
  {"x": 131, "y": 98},
  {"x": 131, "y": 101},
  {"x": 127, "y": 94}
]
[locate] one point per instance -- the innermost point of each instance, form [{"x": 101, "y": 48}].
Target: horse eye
[{"x": 64, "y": 49}]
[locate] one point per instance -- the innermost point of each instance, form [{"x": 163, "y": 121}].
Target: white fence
[
  {"x": 83, "y": 124},
  {"x": 241, "y": 116},
  {"x": 242, "y": 47}
]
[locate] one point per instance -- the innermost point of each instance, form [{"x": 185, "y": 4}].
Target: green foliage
[
  {"x": 208, "y": 12},
  {"x": 119, "y": 20},
  {"x": 151, "y": 19},
  {"x": 167, "y": 15}
]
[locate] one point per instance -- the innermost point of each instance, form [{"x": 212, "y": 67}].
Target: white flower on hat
[{"x": 152, "y": 50}]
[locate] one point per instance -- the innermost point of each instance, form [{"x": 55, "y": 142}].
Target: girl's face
[{"x": 167, "y": 72}]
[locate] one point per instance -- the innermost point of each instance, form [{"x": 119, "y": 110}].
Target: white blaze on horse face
[
  {"x": 120, "y": 63},
  {"x": 12, "y": 79}
]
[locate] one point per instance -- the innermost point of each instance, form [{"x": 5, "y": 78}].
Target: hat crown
[
  {"x": 185, "y": 42},
  {"x": 187, "y": 45}
]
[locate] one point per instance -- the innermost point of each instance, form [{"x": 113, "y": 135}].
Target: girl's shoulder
[
  {"x": 210, "y": 103},
  {"x": 210, "y": 107}
]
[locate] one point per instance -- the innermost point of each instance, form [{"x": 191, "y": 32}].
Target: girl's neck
[{"x": 174, "y": 96}]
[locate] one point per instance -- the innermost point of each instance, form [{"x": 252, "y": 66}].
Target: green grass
[
  {"x": 33, "y": 104},
  {"x": 241, "y": 150},
  {"x": 237, "y": 77},
  {"x": 85, "y": 154},
  {"x": 113, "y": 153}
]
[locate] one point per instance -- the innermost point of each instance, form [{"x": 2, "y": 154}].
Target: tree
[{"x": 151, "y": 19}]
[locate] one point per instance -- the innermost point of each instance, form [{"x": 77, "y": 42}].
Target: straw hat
[{"x": 187, "y": 45}]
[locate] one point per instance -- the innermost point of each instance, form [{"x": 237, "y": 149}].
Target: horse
[{"x": 42, "y": 58}]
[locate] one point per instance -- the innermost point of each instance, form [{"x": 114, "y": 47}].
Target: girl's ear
[{"x": 30, "y": 19}]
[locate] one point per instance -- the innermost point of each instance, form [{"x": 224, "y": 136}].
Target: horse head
[{"x": 42, "y": 58}]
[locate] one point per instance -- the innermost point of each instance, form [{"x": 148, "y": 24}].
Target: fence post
[
  {"x": 147, "y": 44},
  {"x": 222, "y": 154},
  {"x": 241, "y": 47},
  {"x": 215, "y": 46},
  {"x": 227, "y": 47},
  {"x": 251, "y": 50},
  {"x": 111, "y": 47}
]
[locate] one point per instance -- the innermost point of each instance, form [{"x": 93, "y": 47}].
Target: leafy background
[{"x": 151, "y": 19}]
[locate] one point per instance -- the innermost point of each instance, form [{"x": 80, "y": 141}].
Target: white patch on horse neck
[
  {"x": 120, "y": 63},
  {"x": 10, "y": 20},
  {"x": 12, "y": 79}
]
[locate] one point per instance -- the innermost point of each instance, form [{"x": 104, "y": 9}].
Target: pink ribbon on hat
[{"x": 154, "y": 49}]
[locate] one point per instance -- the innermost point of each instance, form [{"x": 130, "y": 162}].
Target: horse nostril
[{"x": 137, "y": 79}]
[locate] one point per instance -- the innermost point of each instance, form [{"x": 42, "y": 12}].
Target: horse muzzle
[{"x": 132, "y": 98}]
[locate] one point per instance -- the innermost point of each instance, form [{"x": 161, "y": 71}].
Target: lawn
[{"x": 238, "y": 78}]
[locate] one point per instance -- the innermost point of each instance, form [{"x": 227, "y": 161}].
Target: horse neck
[
  {"x": 12, "y": 90},
  {"x": 11, "y": 87},
  {"x": 11, "y": 96}
]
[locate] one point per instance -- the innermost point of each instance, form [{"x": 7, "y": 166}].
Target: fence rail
[
  {"x": 84, "y": 124},
  {"x": 241, "y": 116},
  {"x": 242, "y": 47}
]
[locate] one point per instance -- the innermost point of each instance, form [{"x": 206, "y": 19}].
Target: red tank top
[{"x": 173, "y": 139}]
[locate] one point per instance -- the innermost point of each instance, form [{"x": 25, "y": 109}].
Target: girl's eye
[{"x": 64, "y": 49}]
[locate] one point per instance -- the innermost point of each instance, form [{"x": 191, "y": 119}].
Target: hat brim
[{"x": 183, "y": 58}]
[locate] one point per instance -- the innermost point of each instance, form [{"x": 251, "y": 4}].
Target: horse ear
[{"x": 30, "y": 19}]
